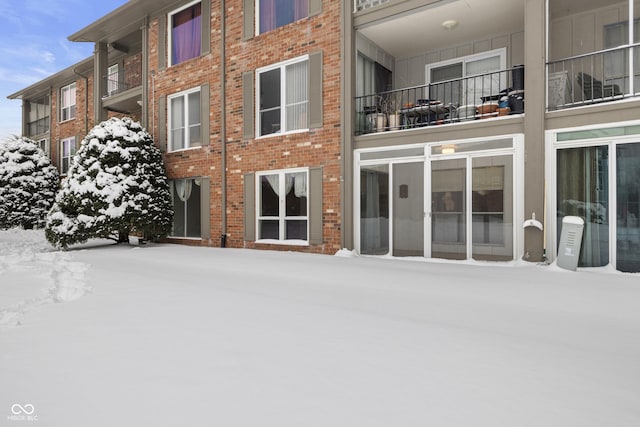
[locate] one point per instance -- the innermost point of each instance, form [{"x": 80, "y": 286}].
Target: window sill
[
  {"x": 68, "y": 120},
  {"x": 274, "y": 135},
  {"x": 282, "y": 242},
  {"x": 184, "y": 238}
]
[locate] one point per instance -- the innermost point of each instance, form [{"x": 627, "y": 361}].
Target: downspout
[
  {"x": 86, "y": 100},
  {"x": 223, "y": 122}
]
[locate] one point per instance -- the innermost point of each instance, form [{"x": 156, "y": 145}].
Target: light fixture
[
  {"x": 449, "y": 24},
  {"x": 448, "y": 150}
]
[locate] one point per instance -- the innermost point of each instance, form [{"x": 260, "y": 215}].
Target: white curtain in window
[
  {"x": 299, "y": 183},
  {"x": 297, "y": 95},
  {"x": 183, "y": 189},
  {"x": 274, "y": 182}
]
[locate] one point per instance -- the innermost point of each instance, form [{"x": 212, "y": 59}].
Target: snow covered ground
[{"x": 167, "y": 335}]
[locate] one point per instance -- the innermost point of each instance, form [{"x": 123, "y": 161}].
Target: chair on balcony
[{"x": 594, "y": 89}]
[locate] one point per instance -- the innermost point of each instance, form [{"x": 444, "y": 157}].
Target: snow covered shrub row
[
  {"x": 116, "y": 184},
  {"x": 28, "y": 184}
]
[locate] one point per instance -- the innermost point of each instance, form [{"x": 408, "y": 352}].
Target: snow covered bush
[
  {"x": 116, "y": 185},
  {"x": 28, "y": 184}
]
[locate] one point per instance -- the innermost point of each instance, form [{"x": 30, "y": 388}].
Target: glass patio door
[
  {"x": 408, "y": 209},
  {"x": 392, "y": 209},
  {"x": 472, "y": 196},
  {"x": 628, "y": 207}
]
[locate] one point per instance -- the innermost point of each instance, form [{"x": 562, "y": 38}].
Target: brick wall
[
  {"x": 77, "y": 126},
  {"x": 318, "y": 147},
  {"x": 204, "y": 161}
]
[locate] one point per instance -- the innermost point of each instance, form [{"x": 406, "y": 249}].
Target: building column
[
  {"x": 100, "y": 70},
  {"x": 535, "y": 86},
  {"x": 347, "y": 128},
  {"x": 145, "y": 74}
]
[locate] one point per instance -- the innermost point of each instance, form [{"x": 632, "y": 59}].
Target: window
[
  {"x": 485, "y": 66},
  {"x": 68, "y": 102},
  {"x": 112, "y": 79},
  {"x": 282, "y": 205},
  {"x": 186, "y": 197},
  {"x": 283, "y": 97},
  {"x": 184, "y": 120},
  {"x": 185, "y": 33},
  {"x": 38, "y": 116},
  {"x": 276, "y": 13},
  {"x": 67, "y": 151}
]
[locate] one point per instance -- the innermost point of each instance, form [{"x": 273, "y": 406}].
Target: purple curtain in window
[
  {"x": 267, "y": 15},
  {"x": 301, "y": 9},
  {"x": 276, "y": 13},
  {"x": 187, "y": 34}
]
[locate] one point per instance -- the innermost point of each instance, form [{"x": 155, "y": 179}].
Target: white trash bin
[{"x": 570, "y": 242}]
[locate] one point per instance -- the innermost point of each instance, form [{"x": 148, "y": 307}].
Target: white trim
[
  {"x": 170, "y": 32},
  {"x": 71, "y": 140},
  {"x": 74, "y": 104},
  {"x": 186, "y": 134},
  {"x": 516, "y": 151},
  {"x": 552, "y": 146},
  {"x": 283, "y": 113},
  {"x": 47, "y": 146},
  {"x": 282, "y": 217}
]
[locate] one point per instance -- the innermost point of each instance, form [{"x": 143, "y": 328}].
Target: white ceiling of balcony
[{"x": 421, "y": 30}]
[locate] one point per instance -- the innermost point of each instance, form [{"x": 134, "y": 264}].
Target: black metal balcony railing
[
  {"x": 38, "y": 127},
  {"x": 593, "y": 77},
  {"x": 122, "y": 80},
  {"x": 359, "y": 5},
  {"x": 481, "y": 96}
]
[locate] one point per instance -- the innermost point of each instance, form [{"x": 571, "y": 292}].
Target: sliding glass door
[
  {"x": 392, "y": 209},
  {"x": 590, "y": 187},
  {"x": 472, "y": 196}
]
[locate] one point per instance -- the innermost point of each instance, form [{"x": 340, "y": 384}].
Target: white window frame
[
  {"x": 552, "y": 146},
  {"x": 283, "y": 106},
  {"x": 501, "y": 53},
  {"x": 113, "y": 79},
  {"x": 63, "y": 107},
  {"x": 282, "y": 218},
  {"x": 72, "y": 152},
  {"x": 186, "y": 134},
  {"x": 170, "y": 31}
]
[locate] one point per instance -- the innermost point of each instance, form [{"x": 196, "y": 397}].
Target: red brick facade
[{"x": 317, "y": 147}]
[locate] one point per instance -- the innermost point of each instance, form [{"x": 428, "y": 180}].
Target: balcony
[
  {"x": 591, "y": 78},
  {"x": 476, "y": 97},
  {"x": 124, "y": 88},
  {"x": 437, "y": 63},
  {"x": 359, "y": 5}
]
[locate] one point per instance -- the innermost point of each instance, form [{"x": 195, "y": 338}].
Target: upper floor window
[
  {"x": 276, "y": 13},
  {"x": 38, "y": 119},
  {"x": 68, "y": 102},
  {"x": 112, "y": 79},
  {"x": 184, "y": 120},
  {"x": 185, "y": 32},
  {"x": 283, "y": 97}
]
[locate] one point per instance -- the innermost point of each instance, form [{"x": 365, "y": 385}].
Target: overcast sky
[{"x": 34, "y": 45}]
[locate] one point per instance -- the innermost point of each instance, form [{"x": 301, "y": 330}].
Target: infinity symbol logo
[{"x": 27, "y": 409}]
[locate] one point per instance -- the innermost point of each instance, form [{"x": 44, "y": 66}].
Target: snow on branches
[
  {"x": 28, "y": 184},
  {"x": 116, "y": 184}
]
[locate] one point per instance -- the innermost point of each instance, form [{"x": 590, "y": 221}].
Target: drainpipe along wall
[{"x": 223, "y": 122}]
